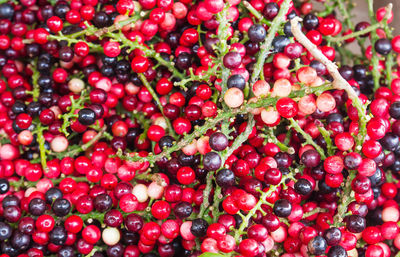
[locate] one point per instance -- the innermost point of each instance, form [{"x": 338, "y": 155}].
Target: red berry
[
  {"x": 55, "y": 24},
  {"x": 287, "y": 107},
  {"x": 112, "y": 49},
  {"x": 140, "y": 64}
]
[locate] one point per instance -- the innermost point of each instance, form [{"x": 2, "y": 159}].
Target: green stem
[
  {"x": 75, "y": 105},
  {"x": 270, "y": 136},
  {"x": 267, "y": 44},
  {"x": 202, "y": 77},
  {"x": 374, "y": 37},
  {"x": 327, "y": 136},
  {"x": 390, "y": 58},
  {"x": 223, "y": 48},
  {"x": 240, "y": 139},
  {"x": 42, "y": 150},
  {"x": 345, "y": 13},
  {"x": 222, "y": 115},
  {"x": 262, "y": 200},
  {"x": 120, "y": 37},
  {"x": 206, "y": 194},
  {"x": 328, "y": 9},
  {"x": 91, "y": 30},
  {"x": 344, "y": 10},
  {"x": 389, "y": 69},
  {"x": 157, "y": 100},
  {"x": 217, "y": 200},
  {"x": 36, "y": 87},
  {"x": 256, "y": 14},
  {"x": 345, "y": 199},
  {"x": 25, "y": 184},
  {"x": 83, "y": 147},
  {"x": 307, "y": 137},
  {"x": 355, "y": 34},
  {"x": 314, "y": 211},
  {"x": 187, "y": 139},
  {"x": 235, "y": 145},
  {"x": 93, "y": 47}
]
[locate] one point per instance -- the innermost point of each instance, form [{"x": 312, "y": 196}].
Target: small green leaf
[{"x": 211, "y": 255}]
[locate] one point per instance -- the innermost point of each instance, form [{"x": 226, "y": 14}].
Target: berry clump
[{"x": 198, "y": 128}]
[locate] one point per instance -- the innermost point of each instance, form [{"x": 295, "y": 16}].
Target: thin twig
[
  {"x": 344, "y": 10},
  {"x": 42, "y": 150},
  {"x": 91, "y": 30},
  {"x": 374, "y": 37},
  {"x": 355, "y": 34},
  {"x": 256, "y": 14},
  {"x": 223, "y": 48},
  {"x": 211, "y": 123},
  {"x": 83, "y": 147},
  {"x": 267, "y": 44},
  {"x": 158, "y": 102},
  {"x": 345, "y": 199},
  {"x": 307, "y": 137},
  {"x": 338, "y": 81},
  {"x": 261, "y": 201},
  {"x": 206, "y": 194}
]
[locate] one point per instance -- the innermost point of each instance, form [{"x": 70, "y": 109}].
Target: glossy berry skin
[
  {"x": 180, "y": 128},
  {"x": 286, "y": 107},
  {"x": 218, "y": 141},
  {"x": 256, "y": 33},
  {"x": 161, "y": 210},
  {"x": 282, "y": 208},
  {"x": 383, "y": 46},
  {"x": 232, "y": 60},
  {"x": 248, "y": 247},
  {"x": 111, "y": 49},
  {"x": 45, "y": 223},
  {"x": 140, "y": 64},
  {"x": 55, "y": 24},
  {"x": 86, "y": 116}
]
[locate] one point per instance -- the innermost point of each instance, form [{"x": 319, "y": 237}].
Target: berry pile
[{"x": 198, "y": 128}]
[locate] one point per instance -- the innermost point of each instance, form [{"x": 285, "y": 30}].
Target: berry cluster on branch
[{"x": 198, "y": 128}]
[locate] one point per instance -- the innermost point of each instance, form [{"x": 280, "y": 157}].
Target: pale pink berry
[
  {"x": 282, "y": 87},
  {"x": 43, "y": 185},
  {"x": 104, "y": 83},
  {"x": 306, "y": 75},
  {"x": 155, "y": 191},
  {"x": 160, "y": 121},
  {"x": 234, "y": 97},
  {"x": 269, "y": 116},
  {"x": 326, "y": 102},
  {"x": 317, "y": 82},
  {"x": 120, "y": 18},
  {"x": 140, "y": 191},
  {"x": 131, "y": 88},
  {"x": 202, "y": 145},
  {"x": 111, "y": 236},
  {"x": 279, "y": 235},
  {"x": 307, "y": 105},
  {"x": 76, "y": 85},
  {"x": 268, "y": 244},
  {"x": 261, "y": 88},
  {"x": 59, "y": 144},
  {"x": 190, "y": 149},
  {"x": 390, "y": 214},
  {"x": 185, "y": 231},
  {"x": 255, "y": 111},
  {"x": 8, "y": 152},
  {"x": 29, "y": 191}
]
